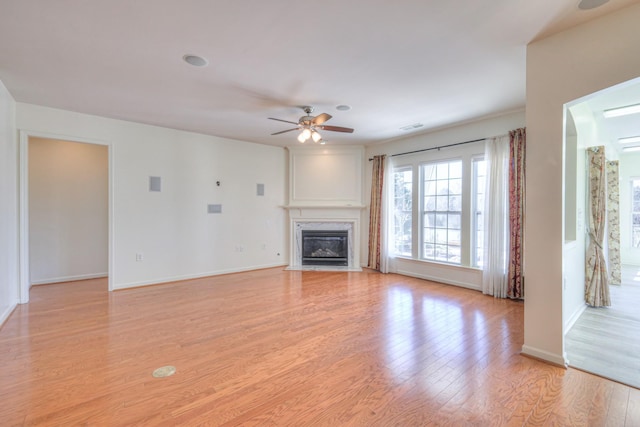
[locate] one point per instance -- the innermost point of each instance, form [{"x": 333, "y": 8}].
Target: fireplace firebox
[{"x": 325, "y": 247}]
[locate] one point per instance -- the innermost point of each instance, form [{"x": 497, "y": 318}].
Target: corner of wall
[
  {"x": 9, "y": 206},
  {"x": 536, "y": 353}
]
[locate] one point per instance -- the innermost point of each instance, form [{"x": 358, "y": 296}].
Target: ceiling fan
[{"x": 310, "y": 126}]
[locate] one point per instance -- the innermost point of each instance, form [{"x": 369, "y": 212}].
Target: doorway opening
[
  {"x": 602, "y": 340},
  {"x": 65, "y": 199}
]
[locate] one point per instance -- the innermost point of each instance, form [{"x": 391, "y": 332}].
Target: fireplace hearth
[{"x": 325, "y": 247}]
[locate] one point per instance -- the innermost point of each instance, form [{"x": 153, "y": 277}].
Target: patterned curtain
[
  {"x": 613, "y": 222},
  {"x": 517, "y": 145},
  {"x": 596, "y": 280},
  {"x": 375, "y": 214}
]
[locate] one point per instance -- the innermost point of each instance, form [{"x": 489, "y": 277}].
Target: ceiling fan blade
[
  {"x": 337, "y": 129},
  {"x": 280, "y": 120},
  {"x": 283, "y": 131},
  {"x": 320, "y": 119}
]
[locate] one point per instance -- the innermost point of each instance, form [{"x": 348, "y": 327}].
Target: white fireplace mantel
[{"x": 325, "y": 193}]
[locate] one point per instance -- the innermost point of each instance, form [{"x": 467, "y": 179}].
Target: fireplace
[
  {"x": 325, "y": 247},
  {"x": 319, "y": 222}
]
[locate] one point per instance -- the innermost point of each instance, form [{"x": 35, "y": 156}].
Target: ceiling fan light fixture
[
  {"x": 309, "y": 126},
  {"x": 304, "y": 135}
]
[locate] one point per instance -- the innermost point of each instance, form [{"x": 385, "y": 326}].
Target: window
[
  {"x": 442, "y": 211},
  {"x": 437, "y": 208},
  {"x": 402, "y": 210},
  {"x": 477, "y": 217},
  {"x": 635, "y": 212}
]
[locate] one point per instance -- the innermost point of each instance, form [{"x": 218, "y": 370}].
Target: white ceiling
[
  {"x": 396, "y": 63},
  {"x": 613, "y": 128}
]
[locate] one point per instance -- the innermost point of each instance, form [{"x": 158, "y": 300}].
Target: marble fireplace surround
[{"x": 343, "y": 219}]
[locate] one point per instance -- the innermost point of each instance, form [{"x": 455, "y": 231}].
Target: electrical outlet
[{"x": 139, "y": 257}]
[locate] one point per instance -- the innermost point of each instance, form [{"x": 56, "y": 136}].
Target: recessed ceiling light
[
  {"x": 622, "y": 111},
  {"x": 629, "y": 139},
  {"x": 591, "y": 4},
  {"x": 195, "y": 60},
  {"x": 628, "y": 149},
  {"x": 343, "y": 107}
]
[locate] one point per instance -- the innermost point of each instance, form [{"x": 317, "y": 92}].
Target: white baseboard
[
  {"x": 536, "y": 353},
  {"x": 444, "y": 280},
  {"x": 69, "y": 278},
  {"x": 192, "y": 276},
  {"x": 574, "y": 318},
  {"x": 6, "y": 312}
]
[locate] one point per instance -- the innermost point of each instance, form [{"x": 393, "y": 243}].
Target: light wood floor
[
  {"x": 288, "y": 348},
  {"x": 606, "y": 341}
]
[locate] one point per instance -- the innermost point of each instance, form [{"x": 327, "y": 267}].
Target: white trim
[
  {"x": 574, "y": 318},
  {"x": 545, "y": 355},
  {"x": 195, "y": 276},
  {"x": 23, "y": 194},
  {"x": 23, "y": 220},
  {"x": 69, "y": 279},
  {"x": 111, "y": 215},
  {"x": 442, "y": 280},
  {"x": 315, "y": 206},
  {"x": 631, "y": 180},
  {"x": 4, "y": 315}
]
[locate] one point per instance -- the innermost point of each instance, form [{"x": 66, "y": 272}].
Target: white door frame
[{"x": 23, "y": 205}]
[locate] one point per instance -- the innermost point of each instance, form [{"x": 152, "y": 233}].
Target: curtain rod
[{"x": 436, "y": 148}]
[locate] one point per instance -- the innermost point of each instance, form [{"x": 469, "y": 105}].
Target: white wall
[
  {"x": 68, "y": 210},
  {"x": 629, "y": 168},
  {"x": 560, "y": 69},
  {"x": 8, "y": 205},
  {"x": 485, "y": 128},
  {"x": 326, "y": 175},
  {"x": 172, "y": 230}
]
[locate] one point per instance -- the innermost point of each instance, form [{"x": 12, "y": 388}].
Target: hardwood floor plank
[
  {"x": 616, "y": 407},
  {"x": 275, "y": 347}
]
